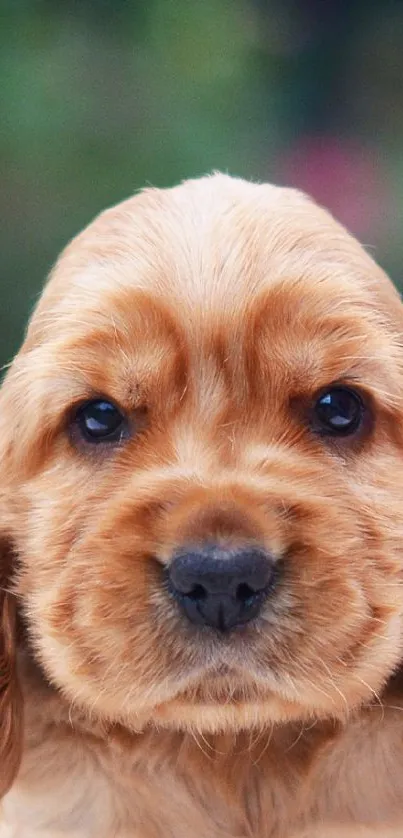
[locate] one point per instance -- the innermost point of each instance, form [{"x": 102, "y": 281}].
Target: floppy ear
[
  {"x": 15, "y": 442},
  {"x": 10, "y": 695}
]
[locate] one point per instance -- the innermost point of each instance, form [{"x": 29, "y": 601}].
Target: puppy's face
[{"x": 204, "y": 465}]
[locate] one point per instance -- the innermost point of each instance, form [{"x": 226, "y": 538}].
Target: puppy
[{"x": 201, "y": 517}]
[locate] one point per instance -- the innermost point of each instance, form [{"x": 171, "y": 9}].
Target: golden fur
[{"x": 211, "y": 314}]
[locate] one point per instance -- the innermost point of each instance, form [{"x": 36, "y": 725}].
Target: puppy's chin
[
  {"x": 237, "y": 713},
  {"x": 229, "y": 718},
  {"x": 228, "y": 704},
  {"x": 240, "y": 713},
  {"x": 203, "y": 711}
]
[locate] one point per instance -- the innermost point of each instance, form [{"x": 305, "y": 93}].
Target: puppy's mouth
[{"x": 224, "y": 687}]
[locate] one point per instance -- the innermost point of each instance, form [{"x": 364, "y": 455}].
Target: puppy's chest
[
  {"x": 163, "y": 788},
  {"x": 80, "y": 789},
  {"x": 92, "y": 797}
]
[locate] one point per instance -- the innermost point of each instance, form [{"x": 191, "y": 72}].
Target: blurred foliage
[{"x": 99, "y": 97}]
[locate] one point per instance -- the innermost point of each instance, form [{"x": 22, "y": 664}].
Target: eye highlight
[
  {"x": 338, "y": 412},
  {"x": 99, "y": 421}
]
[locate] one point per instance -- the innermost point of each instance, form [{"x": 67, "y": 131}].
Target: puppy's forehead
[{"x": 209, "y": 248}]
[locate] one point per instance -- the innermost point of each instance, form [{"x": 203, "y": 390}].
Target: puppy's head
[{"x": 202, "y": 464}]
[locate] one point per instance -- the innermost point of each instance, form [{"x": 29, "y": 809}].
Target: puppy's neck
[{"x": 290, "y": 768}]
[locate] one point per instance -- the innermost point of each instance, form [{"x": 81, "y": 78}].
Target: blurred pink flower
[{"x": 343, "y": 176}]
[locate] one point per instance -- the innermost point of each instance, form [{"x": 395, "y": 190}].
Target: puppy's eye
[
  {"x": 338, "y": 412},
  {"x": 100, "y": 421}
]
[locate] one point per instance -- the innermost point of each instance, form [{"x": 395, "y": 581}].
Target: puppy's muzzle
[{"x": 221, "y": 587}]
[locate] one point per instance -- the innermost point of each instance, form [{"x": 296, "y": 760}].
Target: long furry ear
[{"x": 10, "y": 696}]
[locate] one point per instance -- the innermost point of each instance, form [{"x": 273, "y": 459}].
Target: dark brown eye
[
  {"x": 338, "y": 412},
  {"x": 100, "y": 421}
]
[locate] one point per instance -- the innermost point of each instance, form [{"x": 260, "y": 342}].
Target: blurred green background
[{"x": 100, "y": 97}]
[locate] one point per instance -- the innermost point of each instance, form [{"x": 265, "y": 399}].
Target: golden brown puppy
[{"x": 201, "y": 518}]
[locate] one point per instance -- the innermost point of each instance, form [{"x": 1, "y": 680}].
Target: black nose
[{"x": 221, "y": 587}]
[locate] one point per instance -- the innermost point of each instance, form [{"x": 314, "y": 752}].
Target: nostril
[
  {"x": 245, "y": 594},
  {"x": 197, "y": 593}
]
